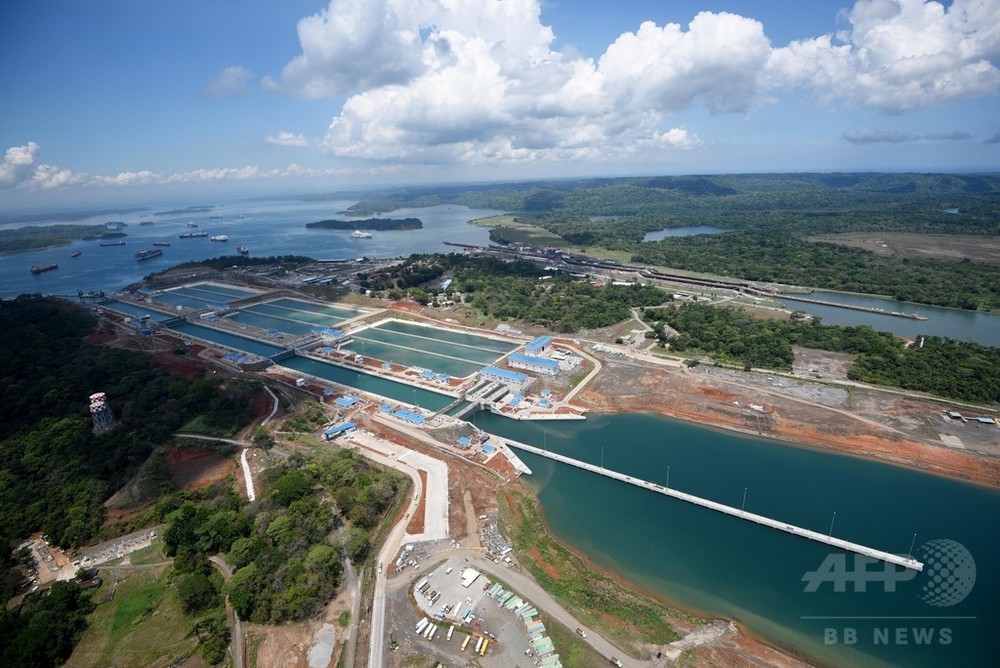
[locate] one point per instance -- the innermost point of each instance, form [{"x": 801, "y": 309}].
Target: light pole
[
  {"x": 668, "y": 476},
  {"x": 909, "y": 554},
  {"x": 743, "y": 505},
  {"x": 602, "y": 456},
  {"x": 831, "y": 524}
]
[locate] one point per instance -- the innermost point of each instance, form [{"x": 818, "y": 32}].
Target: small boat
[
  {"x": 242, "y": 250},
  {"x": 191, "y": 223},
  {"x": 75, "y": 253},
  {"x": 220, "y": 237},
  {"x": 146, "y": 254},
  {"x": 91, "y": 294},
  {"x": 113, "y": 243},
  {"x": 192, "y": 235},
  {"x": 161, "y": 243},
  {"x": 35, "y": 269},
  {"x": 359, "y": 234}
]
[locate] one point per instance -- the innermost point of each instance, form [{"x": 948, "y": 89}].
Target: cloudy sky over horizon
[{"x": 118, "y": 94}]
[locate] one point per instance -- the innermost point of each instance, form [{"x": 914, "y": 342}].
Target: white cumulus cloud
[
  {"x": 17, "y": 163},
  {"x": 899, "y": 55},
  {"x": 287, "y": 139},
  {"x": 489, "y": 88}
]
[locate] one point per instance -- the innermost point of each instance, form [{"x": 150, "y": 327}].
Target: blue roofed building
[
  {"x": 409, "y": 416},
  {"x": 534, "y": 363},
  {"x": 539, "y": 345},
  {"x": 504, "y": 376},
  {"x": 463, "y": 442},
  {"x": 339, "y": 430},
  {"x": 346, "y": 401}
]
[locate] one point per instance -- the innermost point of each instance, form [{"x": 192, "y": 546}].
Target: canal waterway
[
  {"x": 721, "y": 566},
  {"x": 369, "y": 383},
  {"x": 954, "y": 323},
  {"x": 228, "y": 340}
]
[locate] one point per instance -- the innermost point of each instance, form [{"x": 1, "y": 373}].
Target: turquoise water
[
  {"x": 281, "y": 324},
  {"x": 718, "y": 565},
  {"x": 363, "y": 381},
  {"x": 335, "y": 312},
  {"x": 215, "y": 291},
  {"x": 136, "y": 310},
  {"x": 226, "y": 339},
  {"x": 457, "y": 338},
  {"x": 190, "y": 299},
  {"x": 453, "y": 353}
]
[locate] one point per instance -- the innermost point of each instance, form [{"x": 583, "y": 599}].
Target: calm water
[
  {"x": 957, "y": 324},
  {"x": 689, "y": 231},
  {"x": 226, "y": 339},
  {"x": 719, "y": 565},
  {"x": 272, "y": 227},
  {"x": 374, "y": 384}
]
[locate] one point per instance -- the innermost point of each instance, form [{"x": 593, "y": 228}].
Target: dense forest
[
  {"x": 772, "y": 217},
  {"x": 518, "y": 290},
  {"x": 55, "y": 472},
  {"x": 44, "y": 236},
  {"x": 949, "y": 368},
  {"x": 378, "y": 224}
]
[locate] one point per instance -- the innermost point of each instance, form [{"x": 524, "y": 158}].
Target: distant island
[
  {"x": 185, "y": 211},
  {"x": 35, "y": 237},
  {"x": 378, "y": 224}
]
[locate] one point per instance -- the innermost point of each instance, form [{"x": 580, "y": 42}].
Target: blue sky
[{"x": 118, "y": 97}]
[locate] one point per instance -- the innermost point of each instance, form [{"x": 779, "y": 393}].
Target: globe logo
[{"x": 950, "y": 571}]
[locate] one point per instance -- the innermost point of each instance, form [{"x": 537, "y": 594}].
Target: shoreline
[
  {"x": 979, "y": 469},
  {"x": 675, "y": 609}
]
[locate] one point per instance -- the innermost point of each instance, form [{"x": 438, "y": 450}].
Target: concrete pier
[{"x": 848, "y": 546}]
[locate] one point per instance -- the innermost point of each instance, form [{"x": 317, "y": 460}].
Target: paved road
[
  {"x": 376, "y": 646},
  {"x": 227, "y": 573},
  {"x": 274, "y": 409},
  {"x": 352, "y": 583}
]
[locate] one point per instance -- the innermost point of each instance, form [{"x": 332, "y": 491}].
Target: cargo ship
[
  {"x": 35, "y": 269},
  {"x": 161, "y": 243},
  {"x": 192, "y": 235},
  {"x": 146, "y": 254},
  {"x": 242, "y": 250}
]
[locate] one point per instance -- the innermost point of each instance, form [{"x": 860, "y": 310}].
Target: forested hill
[
  {"x": 773, "y": 219},
  {"x": 55, "y": 474}
]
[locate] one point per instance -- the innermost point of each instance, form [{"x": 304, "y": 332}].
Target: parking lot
[{"x": 441, "y": 581}]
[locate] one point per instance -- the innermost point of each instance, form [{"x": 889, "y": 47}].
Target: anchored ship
[{"x": 146, "y": 254}]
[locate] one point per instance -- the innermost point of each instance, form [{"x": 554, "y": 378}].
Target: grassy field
[
  {"x": 514, "y": 232},
  {"x": 626, "y": 617},
  {"x": 142, "y": 625}
]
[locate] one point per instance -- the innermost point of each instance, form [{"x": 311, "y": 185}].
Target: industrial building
[
  {"x": 534, "y": 363},
  {"x": 504, "y": 376},
  {"x": 539, "y": 345}
]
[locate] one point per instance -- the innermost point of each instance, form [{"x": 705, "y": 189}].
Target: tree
[{"x": 197, "y": 592}]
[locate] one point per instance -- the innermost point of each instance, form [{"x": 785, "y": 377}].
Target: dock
[{"x": 848, "y": 546}]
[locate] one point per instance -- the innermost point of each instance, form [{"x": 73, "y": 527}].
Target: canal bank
[{"x": 720, "y": 566}]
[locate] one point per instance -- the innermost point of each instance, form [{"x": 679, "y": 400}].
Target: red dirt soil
[{"x": 194, "y": 469}]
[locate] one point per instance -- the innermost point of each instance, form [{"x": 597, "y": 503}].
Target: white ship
[
  {"x": 220, "y": 237},
  {"x": 358, "y": 234}
]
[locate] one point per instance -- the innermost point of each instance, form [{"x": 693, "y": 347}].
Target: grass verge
[
  {"x": 142, "y": 625},
  {"x": 626, "y": 617}
]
